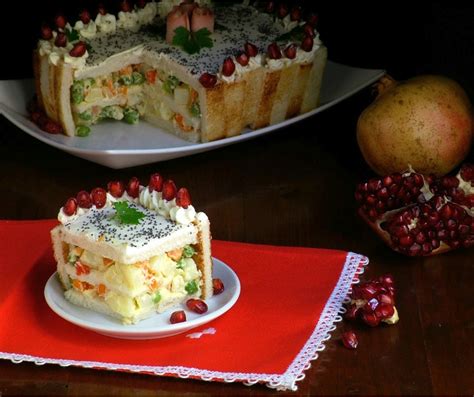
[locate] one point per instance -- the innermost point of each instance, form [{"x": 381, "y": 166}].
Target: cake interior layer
[
  {"x": 130, "y": 292},
  {"x": 134, "y": 91}
]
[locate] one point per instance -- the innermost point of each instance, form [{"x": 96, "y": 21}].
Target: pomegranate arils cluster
[
  {"x": 373, "y": 302},
  {"x": 420, "y": 215}
]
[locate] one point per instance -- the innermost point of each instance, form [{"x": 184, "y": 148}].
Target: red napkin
[{"x": 289, "y": 302}]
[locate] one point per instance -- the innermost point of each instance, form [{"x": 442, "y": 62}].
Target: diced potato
[
  {"x": 166, "y": 112},
  {"x": 90, "y": 259},
  {"x": 94, "y": 95},
  {"x": 181, "y": 96},
  {"x": 124, "y": 305},
  {"x": 134, "y": 277},
  {"x": 162, "y": 264}
]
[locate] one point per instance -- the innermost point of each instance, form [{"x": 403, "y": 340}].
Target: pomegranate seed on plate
[
  {"x": 197, "y": 305},
  {"x": 178, "y": 316},
  {"x": 217, "y": 286}
]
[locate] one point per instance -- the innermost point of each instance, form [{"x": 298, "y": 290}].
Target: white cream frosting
[
  {"x": 45, "y": 47},
  {"x": 76, "y": 62},
  {"x": 87, "y": 31},
  {"x": 106, "y": 23},
  {"x": 147, "y": 14},
  {"x": 128, "y": 21}
]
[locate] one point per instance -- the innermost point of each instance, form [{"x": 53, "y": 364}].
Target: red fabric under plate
[{"x": 284, "y": 291}]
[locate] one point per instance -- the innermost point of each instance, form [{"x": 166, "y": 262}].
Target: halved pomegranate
[{"x": 419, "y": 215}]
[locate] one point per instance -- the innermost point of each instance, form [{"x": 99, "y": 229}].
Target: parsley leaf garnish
[
  {"x": 192, "y": 42},
  {"x": 72, "y": 35},
  {"x": 127, "y": 215}
]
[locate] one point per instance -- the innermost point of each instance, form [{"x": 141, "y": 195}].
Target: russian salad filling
[
  {"x": 133, "y": 92},
  {"x": 132, "y": 289}
]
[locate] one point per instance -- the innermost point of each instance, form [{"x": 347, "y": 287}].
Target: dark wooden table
[{"x": 292, "y": 187}]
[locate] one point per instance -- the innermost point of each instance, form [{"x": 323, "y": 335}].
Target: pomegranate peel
[{"x": 425, "y": 121}]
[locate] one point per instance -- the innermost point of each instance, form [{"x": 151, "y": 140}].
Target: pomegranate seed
[
  {"x": 308, "y": 30},
  {"x": 61, "y": 40},
  {"x": 78, "y": 50},
  {"x": 250, "y": 49},
  {"x": 290, "y": 51},
  {"x": 141, "y": 3},
  {"x": 70, "y": 207},
  {"x": 169, "y": 190},
  {"x": 368, "y": 290},
  {"x": 178, "y": 316},
  {"x": 385, "y": 299},
  {"x": 208, "y": 80},
  {"x": 270, "y": 7},
  {"x": 155, "y": 183},
  {"x": 370, "y": 319},
  {"x": 312, "y": 19},
  {"x": 228, "y": 67},
  {"x": 197, "y": 305},
  {"x": 85, "y": 16},
  {"x": 101, "y": 9},
  {"x": 133, "y": 187},
  {"x": 274, "y": 51},
  {"x": 46, "y": 32},
  {"x": 84, "y": 199},
  {"x": 125, "y": 6},
  {"x": 217, "y": 286},
  {"x": 295, "y": 14},
  {"x": 282, "y": 11},
  {"x": 242, "y": 59},
  {"x": 116, "y": 188},
  {"x": 60, "y": 21},
  {"x": 99, "y": 197},
  {"x": 183, "y": 198},
  {"x": 307, "y": 44},
  {"x": 370, "y": 306},
  {"x": 467, "y": 172},
  {"x": 349, "y": 340},
  {"x": 384, "y": 311}
]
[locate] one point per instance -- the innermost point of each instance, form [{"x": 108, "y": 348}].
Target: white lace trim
[{"x": 353, "y": 267}]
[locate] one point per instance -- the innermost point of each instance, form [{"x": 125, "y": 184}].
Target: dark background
[{"x": 404, "y": 38}]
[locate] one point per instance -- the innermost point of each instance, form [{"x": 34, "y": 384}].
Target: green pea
[
  {"x": 191, "y": 287},
  {"x": 86, "y": 115},
  {"x": 77, "y": 92},
  {"x": 126, "y": 80},
  {"x": 195, "y": 110},
  {"x": 170, "y": 84},
  {"x": 130, "y": 116},
  {"x": 138, "y": 78},
  {"x": 82, "y": 130}
]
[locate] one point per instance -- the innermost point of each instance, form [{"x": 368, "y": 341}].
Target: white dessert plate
[
  {"x": 118, "y": 145},
  {"x": 154, "y": 327}
]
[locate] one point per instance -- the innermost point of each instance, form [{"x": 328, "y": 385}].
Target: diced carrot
[
  {"x": 77, "y": 251},
  {"x": 194, "y": 95},
  {"x": 107, "y": 262},
  {"x": 127, "y": 70},
  {"x": 123, "y": 90},
  {"x": 180, "y": 120},
  {"x": 81, "y": 285},
  {"x": 151, "y": 76},
  {"x": 175, "y": 254},
  {"x": 81, "y": 268},
  {"x": 101, "y": 289},
  {"x": 143, "y": 264},
  {"x": 154, "y": 284}
]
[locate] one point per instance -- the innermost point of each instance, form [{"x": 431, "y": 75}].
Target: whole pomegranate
[
  {"x": 425, "y": 122},
  {"x": 418, "y": 214}
]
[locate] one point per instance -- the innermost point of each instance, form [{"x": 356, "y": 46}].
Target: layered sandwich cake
[
  {"x": 199, "y": 71},
  {"x": 132, "y": 251}
]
